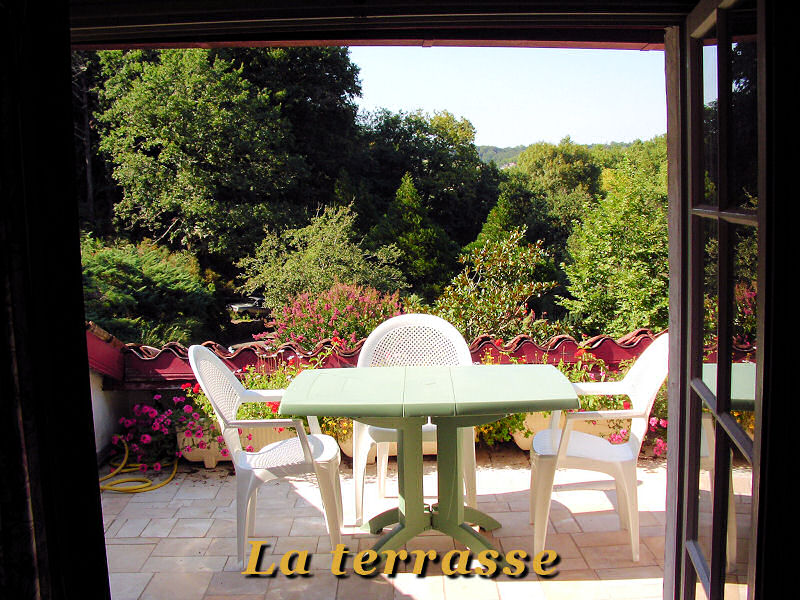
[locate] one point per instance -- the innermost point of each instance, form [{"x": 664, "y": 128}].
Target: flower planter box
[
  {"x": 536, "y": 422},
  {"x": 211, "y": 455}
]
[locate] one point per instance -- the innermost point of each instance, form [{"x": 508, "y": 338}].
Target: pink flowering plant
[
  {"x": 344, "y": 314},
  {"x": 149, "y": 435}
]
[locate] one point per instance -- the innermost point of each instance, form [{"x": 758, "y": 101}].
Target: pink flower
[
  {"x": 249, "y": 449},
  {"x": 249, "y": 436},
  {"x": 187, "y": 408},
  {"x": 187, "y": 433},
  {"x": 198, "y": 433},
  {"x": 224, "y": 452},
  {"x": 145, "y": 439},
  {"x": 157, "y": 397},
  {"x": 196, "y": 416},
  {"x": 201, "y": 445},
  {"x": 157, "y": 467},
  {"x": 663, "y": 423},
  {"x": 143, "y": 468}
]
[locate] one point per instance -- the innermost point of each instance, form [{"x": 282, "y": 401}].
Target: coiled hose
[{"x": 143, "y": 484}]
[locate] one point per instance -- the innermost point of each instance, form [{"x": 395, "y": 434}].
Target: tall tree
[
  {"x": 439, "y": 152},
  {"x": 428, "y": 257},
  {"x": 198, "y": 151},
  {"x": 619, "y": 273}
]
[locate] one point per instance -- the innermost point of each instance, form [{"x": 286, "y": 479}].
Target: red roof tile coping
[{"x": 136, "y": 366}]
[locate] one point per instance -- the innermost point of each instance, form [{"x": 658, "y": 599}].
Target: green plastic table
[
  {"x": 743, "y": 383},
  {"x": 454, "y": 397}
]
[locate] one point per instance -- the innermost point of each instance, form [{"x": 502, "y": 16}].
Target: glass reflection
[{"x": 710, "y": 120}]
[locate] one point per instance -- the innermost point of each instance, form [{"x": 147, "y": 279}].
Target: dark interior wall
[{"x": 51, "y": 527}]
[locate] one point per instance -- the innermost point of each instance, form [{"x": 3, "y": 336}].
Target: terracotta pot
[
  {"x": 211, "y": 455},
  {"x": 536, "y": 422}
]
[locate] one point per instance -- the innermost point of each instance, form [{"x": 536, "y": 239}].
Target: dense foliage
[
  {"x": 619, "y": 262},
  {"x": 251, "y": 168},
  {"x": 312, "y": 258},
  {"x": 146, "y": 294}
]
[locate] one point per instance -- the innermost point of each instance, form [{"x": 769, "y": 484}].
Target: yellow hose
[{"x": 144, "y": 484}]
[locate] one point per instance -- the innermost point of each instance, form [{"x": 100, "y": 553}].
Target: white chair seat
[
  {"x": 286, "y": 456},
  {"x": 583, "y": 445},
  {"x": 386, "y": 435}
]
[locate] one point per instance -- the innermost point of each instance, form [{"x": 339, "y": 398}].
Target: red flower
[
  {"x": 580, "y": 352},
  {"x": 196, "y": 388}
]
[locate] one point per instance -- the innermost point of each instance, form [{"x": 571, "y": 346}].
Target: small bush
[{"x": 143, "y": 293}]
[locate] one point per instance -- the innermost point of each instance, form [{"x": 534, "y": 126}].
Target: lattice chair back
[
  {"x": 414, "y": 340},
  {"x": 644, "y": 379},
  {"x": 222, "y": 389}
]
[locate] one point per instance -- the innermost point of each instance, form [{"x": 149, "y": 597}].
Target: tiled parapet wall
[{"x": 168, "y": 367}]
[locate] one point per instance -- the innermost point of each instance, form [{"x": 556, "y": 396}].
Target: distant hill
[
  {"x": 508, "y": 156},
  {"x": 500, "y": 156}
]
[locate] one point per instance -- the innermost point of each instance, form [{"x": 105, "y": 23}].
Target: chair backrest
[
  {"x": 222, "y": 389},
  {"x": 644, "y": 379},
  {"x": 414, "y": 340}
]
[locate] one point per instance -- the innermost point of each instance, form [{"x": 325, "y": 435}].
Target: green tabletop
[
  {"x": 743, "y": 383},
  {"x": 429, "y": 391},
  {"x": 454, "y": 398}
]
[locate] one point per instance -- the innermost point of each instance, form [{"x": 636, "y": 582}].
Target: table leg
[
  {"x": 450, "y": 516},
  {"x": 412, "y": 517}
]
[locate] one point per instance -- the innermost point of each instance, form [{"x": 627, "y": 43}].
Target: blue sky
[{"x": 519, "y": 96}]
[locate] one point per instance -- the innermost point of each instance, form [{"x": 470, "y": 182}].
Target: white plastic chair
[
  {"x": 409, "y": 340},
  {"x": 315, "y": 453},
  {"x": 707, "y": 462},
  {"x": 579, "y": 450}
]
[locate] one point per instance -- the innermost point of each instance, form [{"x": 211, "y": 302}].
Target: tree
[
  {"x": 439, "y": 152},
  {"x": 315, "y": 257},
  {"x": 427, "y": 255},
  {"x": 619, "y": 273},
  {"x": 313, "y": 89},
  {"x": 499, "y": 281},
  {"x": 199, "y": 152}
]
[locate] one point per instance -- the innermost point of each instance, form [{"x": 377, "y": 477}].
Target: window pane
[
  {"x": 744, "y": 327},
  {"x": 736, "y": 577},
  {"x": 743, "y": 154},
  {"x": 710, "y": 120}
]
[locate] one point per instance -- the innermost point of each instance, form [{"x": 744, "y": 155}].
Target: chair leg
[
  {"x": 251, "y": 513},
  {"x": 330, "y": 489},
  {"x": 543, "y": 470},
  {"x": 628, "y": 482},
  {"x": 382, "y": 467},
  {"x": 361, "y": 446},
  {"x": 730, "y": 548},
  {"x": 469, "y": 465},
  {"x": 246, "y": 483}
]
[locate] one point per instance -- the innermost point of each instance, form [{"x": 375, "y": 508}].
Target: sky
[{"x": 520, "y": 96}]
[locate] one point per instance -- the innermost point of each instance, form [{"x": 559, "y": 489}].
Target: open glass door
[{"x": 717, "y": 388}]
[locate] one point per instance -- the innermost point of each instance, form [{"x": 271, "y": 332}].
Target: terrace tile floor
[{"x": 178, "y": 542}]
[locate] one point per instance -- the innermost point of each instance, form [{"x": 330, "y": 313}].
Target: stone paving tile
[
  {"x": 186, "y": 586},
  {"x": 179, "y": 542},
  {"x": 128, "y": 586}
]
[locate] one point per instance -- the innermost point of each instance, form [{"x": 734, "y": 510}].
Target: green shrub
[
  {"x": 144, "y": 293},
  {"x": 491, "y": 293}
]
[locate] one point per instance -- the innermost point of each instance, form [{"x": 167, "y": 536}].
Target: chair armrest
[
  {"x": 262, "y": 395},
  {"x": 600, "y": 388},
  {"x": 598, "y": 415},
  {"x": 267, "y": 423}
]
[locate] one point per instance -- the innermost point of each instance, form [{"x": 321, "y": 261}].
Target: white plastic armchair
[
  {"x": 562, "y": 447},
  {"x": 316, "y": 453},
  {"x": 409, "y": 340}
]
